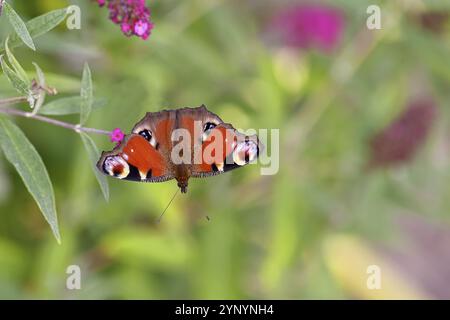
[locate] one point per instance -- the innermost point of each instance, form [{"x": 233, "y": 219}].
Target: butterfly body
[{"x": 179, "y": 144}]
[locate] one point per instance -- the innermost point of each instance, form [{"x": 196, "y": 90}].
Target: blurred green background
[{"x": 311, "y": 230}]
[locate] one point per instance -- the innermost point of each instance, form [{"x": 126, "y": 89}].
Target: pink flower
[
  {"x": 141, "y": 27},
  {"x": 132, "y": 16},
  {"x": 125, "y": 28},
  {"x": 309, "y": 26},
  {"x": 117, "y": 135}
]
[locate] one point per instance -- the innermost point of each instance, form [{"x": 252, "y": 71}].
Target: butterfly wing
[
  {"x": 224, "y": 149},
  {"x": 135, "y": 159}
]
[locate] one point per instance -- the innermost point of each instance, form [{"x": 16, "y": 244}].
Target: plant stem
[
  {"x": 12, "y": 100},
  {"x": 71, "y": 126}
]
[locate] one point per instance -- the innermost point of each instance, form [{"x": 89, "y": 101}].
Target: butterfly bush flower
[
  {"x": 132, "y": 15},
  {"x": 309, "y": 26},
  {"x": 399, "y": 142},
  {"x": 117, "y": 135}
]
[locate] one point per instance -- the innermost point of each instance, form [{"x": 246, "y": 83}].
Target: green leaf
[
  {"x": 40, "y": 25},
  {"x": 41, "y": 81},
  {"x": 18, "y": 25},
  {"x": 15, "y": 64},
  {"x": 94, "y": 155},
  {"x": 86, "y": 93},
  {"x": 18, "y": 84},
  {"x": 24, "y": 157},
  {"x": 68, "y": 105},
  {"x": 40, "y": 74}
]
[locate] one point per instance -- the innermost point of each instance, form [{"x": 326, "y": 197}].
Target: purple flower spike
[
  {"x": 132, "y": 16},
  {"x": 309, "y": 26}
]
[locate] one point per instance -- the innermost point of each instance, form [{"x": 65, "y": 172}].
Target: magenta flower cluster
[
  {"x": 309, "y": 26},
  {"x": 132, "y": 15}
]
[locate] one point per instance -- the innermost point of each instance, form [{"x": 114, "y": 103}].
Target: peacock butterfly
[{"x": 180, "y": 143}]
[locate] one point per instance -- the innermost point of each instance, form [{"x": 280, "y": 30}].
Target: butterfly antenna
[{"x": 168, "y": 205}]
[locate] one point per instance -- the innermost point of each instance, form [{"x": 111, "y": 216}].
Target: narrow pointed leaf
[
  {"x": 94, "y": 155},
  {"x": 18, "y": 84},
  {"x": 86, "y": 93},
  {"x": 24, "y": 157},
  {"x": 15, "y": 64},
  {"x": 68, "y": 105},
  {"x": 41, "y": 81},
  {"x": 18, "y": 25},
  {"x": 40, "y": 74},
  {"x": 40, "y": 25}
]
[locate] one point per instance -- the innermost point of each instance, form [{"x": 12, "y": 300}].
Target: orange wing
[
  {"x": 135, "y": 159},
  {"x": 224, "y": 149}
]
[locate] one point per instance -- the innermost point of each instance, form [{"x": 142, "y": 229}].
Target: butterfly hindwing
[
  {"x": 225, "y": 149},
  {"x": 135, "y": 159}
]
